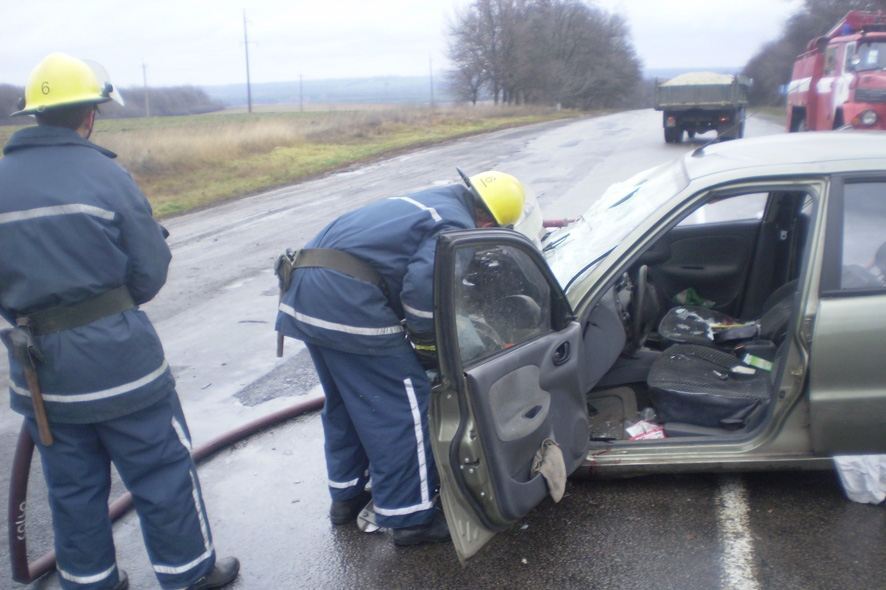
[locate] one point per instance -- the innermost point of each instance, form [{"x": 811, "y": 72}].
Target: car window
[
  {"x": 501, "y": 299},
  {"x": 864, "y": 236},
  {"x": 740, "y": 208},
  {"x": 830, "y": 60},
  {"x": 847, "y": 59}
]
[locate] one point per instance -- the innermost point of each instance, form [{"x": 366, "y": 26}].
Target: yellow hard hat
[
  {"x": 502, "y": 194},
  {"x": 61, "y": 80}
]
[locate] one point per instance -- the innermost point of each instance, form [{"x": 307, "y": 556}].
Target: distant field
[{"x": 184, "y": 163}]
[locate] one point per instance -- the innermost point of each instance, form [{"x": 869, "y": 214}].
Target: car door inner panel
[{"x": 520, "y": 400}]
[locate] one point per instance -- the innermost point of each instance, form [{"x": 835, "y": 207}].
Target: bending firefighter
[
  {"x": 350, "y": 291},
  {"x": 79, "y": 252}
]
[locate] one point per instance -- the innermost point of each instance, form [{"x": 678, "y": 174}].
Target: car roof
[{"x": 820, "y": 151}]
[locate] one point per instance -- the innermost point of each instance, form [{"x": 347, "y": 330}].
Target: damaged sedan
[{"x": 720, "y": 313}]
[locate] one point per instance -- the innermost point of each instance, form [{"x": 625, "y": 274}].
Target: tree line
[
  {"x": 173, "y": 100},
  {"x": 771, "y": 66},
  {"x": 549, "y": 52}
]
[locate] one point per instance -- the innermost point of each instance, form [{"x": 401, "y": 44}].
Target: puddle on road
[{"x": 294, "y": 378}]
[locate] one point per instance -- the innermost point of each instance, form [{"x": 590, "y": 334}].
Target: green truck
[{"x": 697, "y": 102}]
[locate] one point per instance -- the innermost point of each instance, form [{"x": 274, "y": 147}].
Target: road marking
[{"x": 738, "y": 563}]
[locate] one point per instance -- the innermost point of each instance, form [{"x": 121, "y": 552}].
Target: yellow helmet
[
  {"x": 502, "y": 194},
  {"x": 61, "y": 80}
]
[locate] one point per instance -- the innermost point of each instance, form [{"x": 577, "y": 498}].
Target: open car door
[{"x": 509, "y": 352}]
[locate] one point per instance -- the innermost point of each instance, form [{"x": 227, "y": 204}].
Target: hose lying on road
[{"x": 25, "y": 572}]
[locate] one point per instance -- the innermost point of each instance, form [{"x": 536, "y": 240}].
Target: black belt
[
  {"x": 67, "y": 317},
  {"x": 330, "y": 258},
  {"x": 337, "y": 260}
]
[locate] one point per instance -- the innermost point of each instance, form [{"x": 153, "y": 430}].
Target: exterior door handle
[{"x": 562, "y": 354}]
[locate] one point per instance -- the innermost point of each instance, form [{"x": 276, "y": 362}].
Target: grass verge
[{"x": 186, "y": 163}]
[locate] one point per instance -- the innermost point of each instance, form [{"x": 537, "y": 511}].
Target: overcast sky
[{"x": 201, "y": 42}]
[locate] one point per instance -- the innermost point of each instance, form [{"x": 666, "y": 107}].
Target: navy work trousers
[
  {"x": 151, "y": 451},
  {"x": 375, "y": 422}
]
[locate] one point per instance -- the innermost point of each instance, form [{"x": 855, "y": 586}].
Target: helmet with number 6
[{"x": 64, "y": 81}]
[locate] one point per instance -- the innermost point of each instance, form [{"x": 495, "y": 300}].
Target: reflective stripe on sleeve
[
  {"x": 72, "y": 209},
  {"x": 419, "y": 313},
  {"x": 360, "y": 331},
  {"x": 86, "y": 579},
  {"x": 96, "y": 395},
  {"x": 434, "y": 215}
]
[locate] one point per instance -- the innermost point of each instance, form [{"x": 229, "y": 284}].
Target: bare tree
[{"x": 545, "y": 51}]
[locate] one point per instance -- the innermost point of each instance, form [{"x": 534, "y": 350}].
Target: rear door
[
  {"x": 509, "y": 353},
  {"x": 847, "y": 387}
]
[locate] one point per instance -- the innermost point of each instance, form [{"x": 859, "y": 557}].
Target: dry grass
[{"x": 183, "y": 163}]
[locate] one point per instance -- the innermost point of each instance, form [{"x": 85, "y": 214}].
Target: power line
[
  {"x": 246, "y": 47},
  {"x": 147, "y": 94}
]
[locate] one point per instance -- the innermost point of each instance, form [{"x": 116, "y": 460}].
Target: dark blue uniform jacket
[
  {"x": 73, "y": 224},
  {"x": 398, "y": 237}
]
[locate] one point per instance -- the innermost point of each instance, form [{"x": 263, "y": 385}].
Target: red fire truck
[{"x": 840, "y": 79}]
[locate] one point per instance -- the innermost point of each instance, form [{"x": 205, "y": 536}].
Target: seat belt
[{"x": 330, "y": 258}]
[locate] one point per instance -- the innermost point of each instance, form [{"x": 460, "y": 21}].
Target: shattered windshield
[{"x": 577, "y": 248}]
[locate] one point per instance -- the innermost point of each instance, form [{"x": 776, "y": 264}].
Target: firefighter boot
[
  {"x": 435, "y": 531},
  {"x": 345, "y": 511},
  {"x": 224, "y": 572}
]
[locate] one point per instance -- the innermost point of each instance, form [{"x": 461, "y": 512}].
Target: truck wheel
[
  {"x": 678, "y": 134},
  {"x": 690, "y": 133}
]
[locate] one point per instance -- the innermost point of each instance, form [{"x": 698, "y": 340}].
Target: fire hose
[{"x": 26, "y": 572}]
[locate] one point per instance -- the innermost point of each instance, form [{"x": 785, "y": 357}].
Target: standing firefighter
[
  {"x": 79, "y": 251},
  {"x": 350, "y": 290}
]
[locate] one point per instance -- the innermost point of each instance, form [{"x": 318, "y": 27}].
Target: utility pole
[
  {"x": 147, "y": 96},
  {"x": 246, "y": 47},
  {"x": 301, "y": 95},
  {"x": 431, "y": 76}
]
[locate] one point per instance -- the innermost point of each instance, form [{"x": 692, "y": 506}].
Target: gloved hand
[{"x": 425, "y": 349}]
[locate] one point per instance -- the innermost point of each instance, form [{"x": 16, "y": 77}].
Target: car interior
[{"x": 690, "y": 340}]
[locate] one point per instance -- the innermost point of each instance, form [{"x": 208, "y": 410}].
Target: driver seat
[
  {"x": 704, "y": 386},
  {"x": 691, "y": 324}
]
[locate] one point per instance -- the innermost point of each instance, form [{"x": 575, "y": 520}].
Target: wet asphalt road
[{"x": 267, "y": 498}]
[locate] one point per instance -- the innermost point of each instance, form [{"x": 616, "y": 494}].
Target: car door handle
[{"x": 562, "y": 354}]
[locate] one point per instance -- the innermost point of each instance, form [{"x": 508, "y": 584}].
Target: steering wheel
[
  {"x": 490, "y": 339},
  {"x": 638, "y": 305}
]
